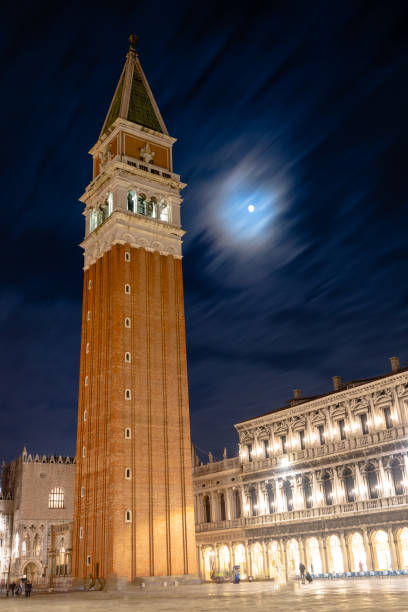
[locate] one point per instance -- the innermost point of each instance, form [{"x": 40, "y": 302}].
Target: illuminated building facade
[
  {"x": 323, "y": 481},
  {"x": 134, "y": 509},
  {"x": 36, "y": 508}
]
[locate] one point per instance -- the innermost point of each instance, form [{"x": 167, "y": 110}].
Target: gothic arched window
[
  {"x": 349, "y": 485},
  {"x": 131, "y": 201},
  {"x": 397, "y": 477},
  {"x": 93, "y": 220},
  {"x": 372, "y": 481},
  {"x": 327, "y": 490},
  {"x": 207, "y": 509},
  {"x": 307, "y": 492},
  {"x": 222, "y": 507}
]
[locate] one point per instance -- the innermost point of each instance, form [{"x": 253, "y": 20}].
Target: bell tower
[{"x": 134, "y": 513}]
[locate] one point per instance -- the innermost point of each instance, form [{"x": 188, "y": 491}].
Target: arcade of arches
[{"x": 360, "y": 550}]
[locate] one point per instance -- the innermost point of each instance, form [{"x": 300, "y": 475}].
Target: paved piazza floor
[{"x": 361, "y": 594}]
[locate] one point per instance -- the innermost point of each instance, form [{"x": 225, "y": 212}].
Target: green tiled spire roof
[{"x": 133, "y": 99}]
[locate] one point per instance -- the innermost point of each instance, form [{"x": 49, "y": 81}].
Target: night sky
[{"x": 299, "y": 109}]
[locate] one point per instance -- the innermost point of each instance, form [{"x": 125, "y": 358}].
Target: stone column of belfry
[{"x": 134, "y": 512}]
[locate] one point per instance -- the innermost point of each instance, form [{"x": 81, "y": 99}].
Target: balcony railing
[
  {"x": 217, "y": 466},
  {"x": 331, "y": 448},
  {"x": 278, "y": 518}
]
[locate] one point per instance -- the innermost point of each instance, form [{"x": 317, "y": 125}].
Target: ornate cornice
[{"x": 135, "y": 230}]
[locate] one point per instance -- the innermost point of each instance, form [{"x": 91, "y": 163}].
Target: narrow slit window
[
  {"x": 128, "y": 516},
  {"x": 89, "y": 284},
  {"x": 128, "y": 433},
  {"x": 127, "y": 322},
  {"x": 128, "y": 358},
  {"x": 83, "y": 451},
  {"x": 86, "y": 381},
  {"x": 87, "y": 347},
  {"x": 82, "y": 491},
  {"x": 128, "y": 394},
  {"x": 85, "y": 415},
  {"x": 127, "y": 289},
  {"x": 127, "y": 256},
  {"x": 81, "y": 532},
  {"x": 88, "y": 560},
  {"x": 88, "y": 316},
  {"x": 128, "y": 473}
]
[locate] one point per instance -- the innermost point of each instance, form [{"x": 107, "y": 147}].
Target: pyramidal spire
[{"x": 133, "y": 99}]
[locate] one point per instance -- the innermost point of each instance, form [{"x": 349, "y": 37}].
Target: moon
[{"x": 251, "y": 208}]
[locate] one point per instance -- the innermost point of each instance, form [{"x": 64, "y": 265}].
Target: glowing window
[
  {"x": 164, "y": 211},
  {"x": 85, "y": 415},
  {"x": 128, "y": 358},
  {"x": 128, "y": 394},
  {"x": 83, "y": 451},
  {"x": 109, "y": 202},
  {"x": 89, "y": 284},
  {"x": 88, "y": 316},
  {"x": 87, "y": 347},
  {"x": 56, "y": 498},
  {"x": 82, "y": 491},
  {"x": 81, "y": 532},
  {"x": 128, "y": 433}
]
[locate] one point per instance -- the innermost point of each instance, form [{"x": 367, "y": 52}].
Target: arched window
[
  {"x": 327, "y": 490},
  {"x": 164, "y": 211},
  {"x": 403, "y": 540},
  {"x": 93, "y": 220},
  {"x": 56, "y": 498},
  {"x": 372, "y": 481},
  {"x": 141, "y": 204},
  {"x": 222, "y": 507},
  {"x": 397, "y": 477},
  {"x": 237, "y": 504},
  {"x": 382, "y": 551},
  {"x": 131, "y": 201},
  {"x": 207, "y": 509},
  {"x": 109, "y": 202},
  {"x": 307, "y": 492},
  {"x": 254, "y": 501},
  {"x": 287, "y": 489},
  {"x": 25, "y": 545},
  {"x": 349, "y": 485},
  {"x": 151, "y": 208},
  {"x": 271, "y": 499}
]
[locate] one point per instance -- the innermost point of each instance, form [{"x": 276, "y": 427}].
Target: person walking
[
  {"x": 12, "y": 588},
  {"x": 302, "y": 570},
  {"x": 309, "y": 577},
  {"x": 28, "y": 588}
]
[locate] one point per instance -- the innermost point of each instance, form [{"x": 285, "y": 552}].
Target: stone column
[
  {"x": 368, "y": 550},
  {"x": 302, "y": 551},
  {"x": 228, "y": 504},
  {"x": 393, "y": 553},
  {"x": 285, "y": 557},
  {"x": 248, "y": 560},
  {"x": 337, "y": 490},
  {"x": 315, "y": 490},
  {"x": 383, "y": 480},
  {"x": 265, "y": 560},
  {"x": 345, "y": 552},
  {"x": 323, "y": 558},
  {"x": 397, "y": 408},
  {"x": 231, "y": 556},
  {"x": 397, "y": 550},
  {"x": 280, "y": 501},
  {"x": 360, "y": 485}
]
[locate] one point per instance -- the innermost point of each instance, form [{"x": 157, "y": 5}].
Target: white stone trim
[{"x": 137, "y": 231}]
